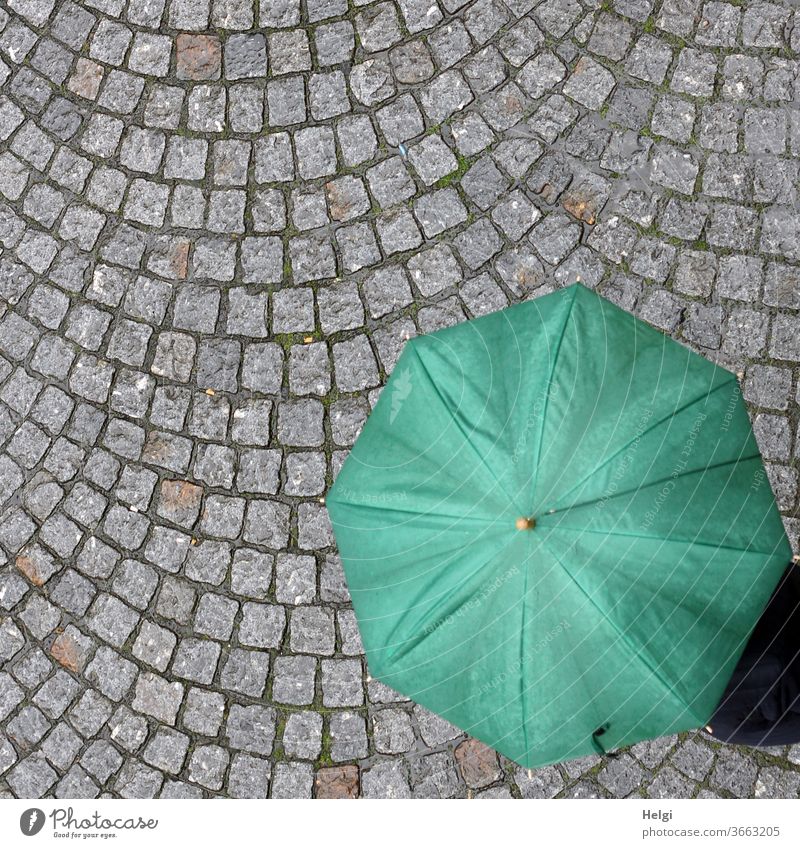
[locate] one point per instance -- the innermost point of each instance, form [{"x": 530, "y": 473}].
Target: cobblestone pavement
[{"x": 220, "y": 220}]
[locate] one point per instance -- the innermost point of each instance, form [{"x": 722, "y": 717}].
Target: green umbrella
[{"x": 557, "y": 530}]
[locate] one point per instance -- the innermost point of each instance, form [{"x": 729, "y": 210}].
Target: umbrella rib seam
[
  {"x": 644, "y": 432},
  {"x": 535, "y": 470},
  {"x": 664, "y": 539},
  {"x": 457, "y": 423},
  {"x": 656, "y": 482},
  {"x": 547, "y": 395},
  {"x": 523, "y": 665},
  {"x": 400, "y": 649},
  {"x": 428, "y": 514},
  {"x": 626, "y": 641}
]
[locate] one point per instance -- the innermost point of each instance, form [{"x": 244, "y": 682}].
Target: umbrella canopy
[{"x": 557, "y": 530}]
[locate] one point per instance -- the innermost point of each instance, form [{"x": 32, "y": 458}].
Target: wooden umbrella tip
[{"x": 525, "y": 523}]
